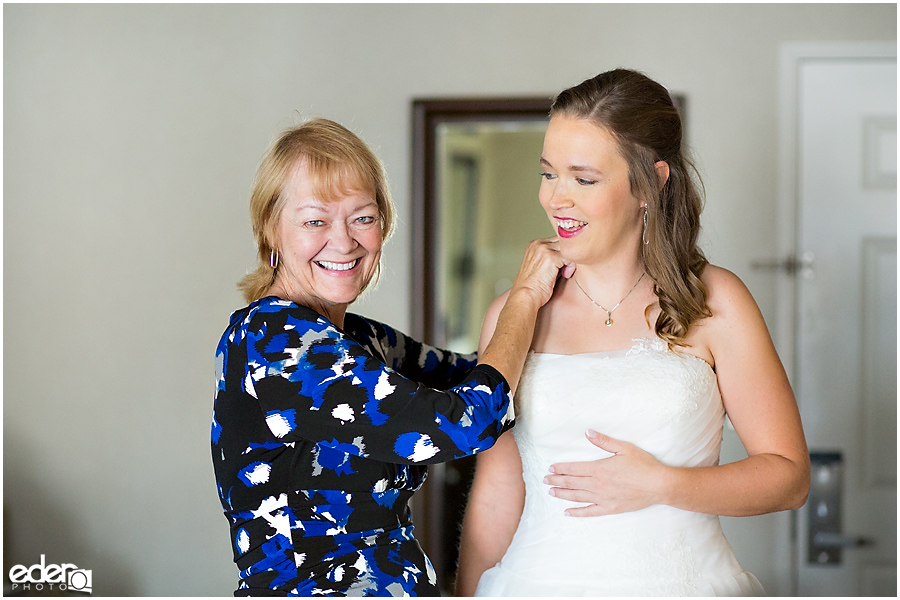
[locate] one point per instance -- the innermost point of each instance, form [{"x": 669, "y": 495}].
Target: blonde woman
[{"x": 324, "y": 420}]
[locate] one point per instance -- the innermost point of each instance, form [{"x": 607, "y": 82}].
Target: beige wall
[{"x": 131, "y": 133}]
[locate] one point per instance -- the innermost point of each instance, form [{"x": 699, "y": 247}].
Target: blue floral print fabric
[{"x": 320, "y": 437}]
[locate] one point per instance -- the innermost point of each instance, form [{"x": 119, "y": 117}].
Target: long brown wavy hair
[{"x": 641, "y": 116}]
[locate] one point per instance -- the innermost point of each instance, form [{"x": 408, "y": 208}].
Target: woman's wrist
[{"x": 524, "y": 298}]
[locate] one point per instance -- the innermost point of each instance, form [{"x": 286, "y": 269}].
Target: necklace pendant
[{"x": 609, "y": 320}]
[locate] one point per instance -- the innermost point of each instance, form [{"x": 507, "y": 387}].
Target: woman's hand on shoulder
[
  {"x": 506, "y": 339},
  {"x": 541, "y": 268}
]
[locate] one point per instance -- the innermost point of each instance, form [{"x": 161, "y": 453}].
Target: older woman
[{"x": 324, "y": 420}]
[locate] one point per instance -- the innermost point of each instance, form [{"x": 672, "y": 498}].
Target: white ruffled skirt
[{"x": 659, "y": 551}]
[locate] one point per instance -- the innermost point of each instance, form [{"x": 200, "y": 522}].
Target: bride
[{"x": 610, "y": 484}]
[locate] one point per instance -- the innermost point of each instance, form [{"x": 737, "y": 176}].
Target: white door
[{"x": 845, "y": 371}]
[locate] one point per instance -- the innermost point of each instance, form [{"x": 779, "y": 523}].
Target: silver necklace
[{"x": 609, "y": 312}]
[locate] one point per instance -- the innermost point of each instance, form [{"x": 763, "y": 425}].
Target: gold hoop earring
[
  {"x": 273, "y": 258},
  {"x": 644, "y": 234}
]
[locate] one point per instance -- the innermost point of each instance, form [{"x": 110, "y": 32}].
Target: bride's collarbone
[{"x": 580, "y": 331}]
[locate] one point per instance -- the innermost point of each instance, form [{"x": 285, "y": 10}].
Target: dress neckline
[{"x": 645, "y": 343}]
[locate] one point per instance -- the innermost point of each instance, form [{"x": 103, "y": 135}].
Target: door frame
[{"x": 792, "y": 56}]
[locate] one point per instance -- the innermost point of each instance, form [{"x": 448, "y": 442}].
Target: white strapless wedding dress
[{"x": 664, "y": 402}]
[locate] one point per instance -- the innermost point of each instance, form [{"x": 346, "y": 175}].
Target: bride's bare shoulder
[
  {"x": 727, "y": 295},
  {"x": 490, "y": 319},
  {"x": 493, "y": 311}
]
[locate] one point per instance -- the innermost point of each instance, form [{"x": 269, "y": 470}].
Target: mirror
[
  {"x": 475, "y": 207},
  {"x": 475, "y": 183}
]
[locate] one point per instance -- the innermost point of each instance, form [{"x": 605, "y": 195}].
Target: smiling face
[
  {"x": 329, "y": 248},
  {"x": 586, "y": 193}
]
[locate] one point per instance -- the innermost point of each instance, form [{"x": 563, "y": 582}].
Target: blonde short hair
[{"x": 337, "y": 161}]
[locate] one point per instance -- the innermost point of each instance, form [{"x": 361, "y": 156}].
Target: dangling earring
[
  {"x": 273, "y": 258},
  {"x": 644, "y": 235}
]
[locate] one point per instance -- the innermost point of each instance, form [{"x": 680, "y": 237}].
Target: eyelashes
[
  {"x": 359, "y": 221},
  {"x": 579, "y": 180}
]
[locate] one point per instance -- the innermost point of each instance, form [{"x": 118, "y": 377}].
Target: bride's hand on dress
[{"x": 627, "y": 481}]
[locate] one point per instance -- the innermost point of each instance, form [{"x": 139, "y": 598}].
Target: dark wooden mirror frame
[{"x": 427, "y": 116}]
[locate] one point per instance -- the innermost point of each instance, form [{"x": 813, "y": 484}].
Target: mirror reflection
[{"x": 487, "y": 182}]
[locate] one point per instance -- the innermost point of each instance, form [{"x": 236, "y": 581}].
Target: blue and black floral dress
[{"x": 320, "y": 437}]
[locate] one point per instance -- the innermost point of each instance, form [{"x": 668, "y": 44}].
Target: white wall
[{"x": 131, "y": 133}]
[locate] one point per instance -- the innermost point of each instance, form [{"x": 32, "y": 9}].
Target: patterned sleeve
[
  {"x": 315, "y": 383},
  {"x": 414, "y": 360}
]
